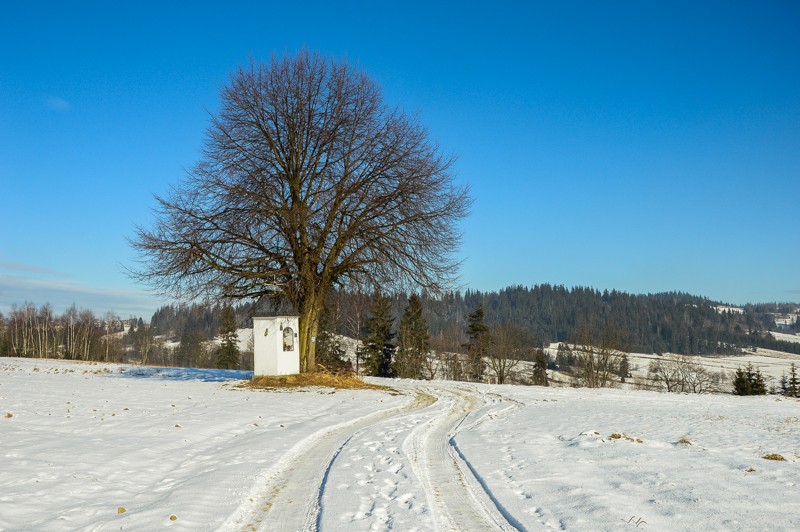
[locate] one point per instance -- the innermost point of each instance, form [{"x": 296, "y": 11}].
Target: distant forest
[
  {"x": 671, "y": 322},
  {"x": 654, "y": 323}
]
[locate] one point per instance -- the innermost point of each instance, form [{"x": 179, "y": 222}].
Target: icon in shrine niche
[{"x": 288, "y": 339}]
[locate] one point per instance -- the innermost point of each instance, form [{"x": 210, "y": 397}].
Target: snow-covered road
[
  {"x": 395, "y": 468},
  {"x": 456, "y": 497},
  {"x": 94, "y": 447}
]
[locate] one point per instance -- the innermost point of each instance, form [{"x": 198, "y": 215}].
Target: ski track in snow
[{"x": 395, "y": 469}]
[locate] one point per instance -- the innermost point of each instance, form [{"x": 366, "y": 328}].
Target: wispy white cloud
[
  {"x": 30, "y": 268},
  {"x": 58, "y": 104},
  {"x": 62, "y": 293}
]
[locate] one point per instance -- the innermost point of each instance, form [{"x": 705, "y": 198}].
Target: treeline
[
  {"x": 177, "y": 336},
  {"x": 671, "y": 322},
  {"x": 173, "y": 320},
  {"x": 390, "y": 347},
  {"x": 76, "y": 334}
]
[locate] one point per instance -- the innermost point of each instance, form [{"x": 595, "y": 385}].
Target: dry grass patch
[
  {"x": 774, "y": 456},
  {"x": 319, "y": 379},
  {"x": 618, "y": 436},
  {"x": 684, "y": 441}
]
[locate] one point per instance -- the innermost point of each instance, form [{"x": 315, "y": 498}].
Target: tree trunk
[{"x": 309, "y": 326}]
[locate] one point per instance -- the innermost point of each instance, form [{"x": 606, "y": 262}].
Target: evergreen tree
[
  {"x": 792, "y": 382},
  {"x": 190, "y": 353},
  {"x": 741, "y": 382},
  {"x": 378, "y": 347},
  {"x": 540, "y": 368},
  {"x": 758, "y": 386},
  {"x": 413, "y": 341},
  {"x": 478, "y": 344},
  {"x": 228, "y": 352},
  {"x": 565, "y": 358},
  {"x": 624, "y": 367},
  {"x": 749, "y": 381}
]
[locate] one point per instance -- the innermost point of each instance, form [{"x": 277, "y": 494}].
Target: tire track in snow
[
  {"x": 457, "y": 498},
  {"x": 287, "y": 496}
]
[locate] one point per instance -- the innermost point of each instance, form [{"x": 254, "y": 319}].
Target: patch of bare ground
[{"x": 313, "y": 379}]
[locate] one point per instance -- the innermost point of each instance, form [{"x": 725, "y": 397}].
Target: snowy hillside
[{"x": 107, "y": 447}]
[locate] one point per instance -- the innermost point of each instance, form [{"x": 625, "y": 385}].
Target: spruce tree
[
  {"x": 749, "y": 381},
  {"x": 540, "y": 368},
  {"x": 478, "y": 344},
  {"x": 793, "y": 382},
  {"x": 624, "y": 367},
  {"x": 191, "y": 352},
  {"x": 758, "y": 387},
  {"x": 413, "y": 341},
  {"x": 378, "y": 347},
  {"x": 741, "y": 382},
  {"x": 227, "y": 356},
  {"x": 565, "y": 359}
]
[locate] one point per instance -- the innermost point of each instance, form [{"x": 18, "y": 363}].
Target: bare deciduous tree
[
  {"x": 144, "y": 342},
  {"x": 508, "y": 346},
  {"x": 667, "y": 372},
  {"x": 355, "y": 323},
  {"x": 680, "y": 373},
  {"x": 598, "y": 360},
  {"x": 308, "y": 181}
]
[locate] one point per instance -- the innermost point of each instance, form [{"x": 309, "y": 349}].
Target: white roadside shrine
[{"x": 276, "y": 348}]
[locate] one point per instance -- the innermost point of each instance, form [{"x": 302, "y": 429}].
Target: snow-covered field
[
  {"x": 786, "y": 337},
  {"x": 100, "y": 447},
  {"x": 772, "y": 364}
]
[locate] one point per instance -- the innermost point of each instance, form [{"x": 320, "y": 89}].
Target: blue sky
[{"x": 640, "y": 146}]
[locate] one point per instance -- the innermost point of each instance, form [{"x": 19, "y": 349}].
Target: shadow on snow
[{"x": 186, "y": 374}]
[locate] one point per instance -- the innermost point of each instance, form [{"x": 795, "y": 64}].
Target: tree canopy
[{"x": 308, "y": 181}]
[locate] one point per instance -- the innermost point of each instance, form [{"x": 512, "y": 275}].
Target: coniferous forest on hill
[{"x": 671, "y": 322}]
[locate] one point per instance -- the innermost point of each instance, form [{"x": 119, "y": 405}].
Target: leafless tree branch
[{"x": 307, "y": 181}]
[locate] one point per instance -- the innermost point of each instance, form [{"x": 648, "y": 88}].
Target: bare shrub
[{"x": 681, "y": 373}]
